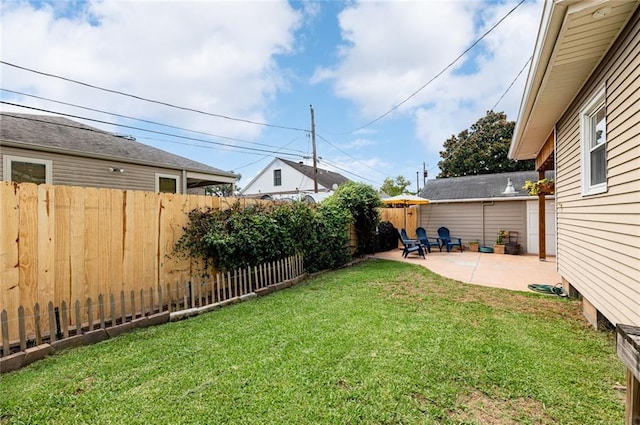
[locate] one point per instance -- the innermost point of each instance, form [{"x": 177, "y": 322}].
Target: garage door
[{"x": 532, "y": 227}]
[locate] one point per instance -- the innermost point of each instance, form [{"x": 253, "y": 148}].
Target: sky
[{"x": 230, "y": 83}]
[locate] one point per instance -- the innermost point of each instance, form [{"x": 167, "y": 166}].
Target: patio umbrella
[{"x": 405, "y": 200}]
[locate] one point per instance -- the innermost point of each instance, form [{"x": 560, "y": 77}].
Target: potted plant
[
  {"x": 540, "y": 187},
  {"x": 474, "y": 246},
  {"x": 503, "y": 236}
]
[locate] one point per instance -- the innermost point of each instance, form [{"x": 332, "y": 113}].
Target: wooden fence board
[
  {"x": 91, "y": 243},
  {"x": 46, "y": 246},
  {"x": 62, "y": 235},
  {"x": 9, "y": 261},
  {"x": 78, "y": 277},
  {"x": 28, "y": 240}
]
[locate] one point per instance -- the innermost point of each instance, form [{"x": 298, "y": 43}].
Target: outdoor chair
[
  {"x": 446, "y": 240},
  {"x": 424, "y": 240},
  {"x": 410, "y": 245}
]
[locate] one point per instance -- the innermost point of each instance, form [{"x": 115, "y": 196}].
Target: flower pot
[
  {"x": 474, "y": 247},
  {"x": 498, "y": 249}
]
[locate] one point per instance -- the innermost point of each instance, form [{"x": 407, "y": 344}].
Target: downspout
[{"x": 184, "y": 182}]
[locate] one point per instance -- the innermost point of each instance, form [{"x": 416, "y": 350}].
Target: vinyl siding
[
  {"x": 89, "y": 172},
  {"x": 599, "y": 235},
  {"x": 464, "y": 219}
]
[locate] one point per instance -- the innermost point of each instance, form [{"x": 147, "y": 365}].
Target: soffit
[{"x": 581, "y": 43}]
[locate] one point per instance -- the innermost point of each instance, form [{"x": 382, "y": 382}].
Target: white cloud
[
  {"x": 212, "y": 56},
  {"x": 393, "y": 48}
]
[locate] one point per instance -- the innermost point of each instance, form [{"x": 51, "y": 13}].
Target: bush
[{"x": 248, "y": 236}]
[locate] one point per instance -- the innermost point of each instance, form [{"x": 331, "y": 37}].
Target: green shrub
[{"x": 247, "y": 236}]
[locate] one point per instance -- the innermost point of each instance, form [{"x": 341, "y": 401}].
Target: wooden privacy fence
[
  {"x": 396, "y": 217},
  {"x": 52, "y": 326},
  {"x": 63, "y": 243}
]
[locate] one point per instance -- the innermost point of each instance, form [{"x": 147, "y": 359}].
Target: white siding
[
  {"x": 292, "y": 181},
  {"x": 599, "y": 235}
]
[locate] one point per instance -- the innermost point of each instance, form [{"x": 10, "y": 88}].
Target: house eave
[{"x": 562, "y": 63}]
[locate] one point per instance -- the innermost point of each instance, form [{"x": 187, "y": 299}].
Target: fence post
[
  {"x": 36, "y": 314},
  {"x": 90, "y": 313},
  {"x": 5, "y": 332},
  {"x": 101, "y": 310}
]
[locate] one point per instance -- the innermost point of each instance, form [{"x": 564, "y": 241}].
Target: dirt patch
[{"x": 484, "y": 410}]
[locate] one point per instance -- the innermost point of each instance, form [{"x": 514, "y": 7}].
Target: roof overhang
[{"x": 573, "y": 38}]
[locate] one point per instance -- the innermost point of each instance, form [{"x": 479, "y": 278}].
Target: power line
[
  {"x": 159, "y": 102},
  {"x": 140, "y": 119},
  {"x": 358, "y": 161},
  {"x": 350, "y": 172},
  {"x": 125, "y": 126},
  {"x": 457, "y": 148},
  {"x": 512, "y": 82},
  {"x": 439, "y": 73}
]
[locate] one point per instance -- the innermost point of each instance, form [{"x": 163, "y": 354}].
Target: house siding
[
  {"x": 465, "y": 220},
  {"x": 292, "y": 181},
  {"x": 599, "y": 235},
  {"x": 90, "y": 172}
]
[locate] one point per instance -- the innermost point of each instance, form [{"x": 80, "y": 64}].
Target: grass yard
[{"x": 379, "y": 343}]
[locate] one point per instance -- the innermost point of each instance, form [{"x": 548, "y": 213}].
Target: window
[
  {"x": 594, "y": 145},
  {"x": 277, "y": 177},
  {"x": 27, "y": 170},
  {"x": 166, "y": 183}
]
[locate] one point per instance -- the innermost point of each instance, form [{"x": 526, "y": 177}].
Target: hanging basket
[{"x": 540, "y": 187}]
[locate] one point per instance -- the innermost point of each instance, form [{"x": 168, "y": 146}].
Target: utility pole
[
  {"x": 417, "y": 183},
  {"x": 313, "y": 143},
  {"x": 424, "y": 174}
]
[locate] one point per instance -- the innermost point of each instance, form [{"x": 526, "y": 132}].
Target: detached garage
[{"x": 476, "y": 208}]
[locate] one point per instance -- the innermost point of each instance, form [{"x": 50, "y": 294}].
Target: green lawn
[{"x": 378, "y": 343}]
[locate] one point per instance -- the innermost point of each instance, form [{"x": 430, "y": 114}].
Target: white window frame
[
  {"x": 167, "y": 176},
  {"x": 9, "y": 159},
  {"x": 597, "y": 101}
]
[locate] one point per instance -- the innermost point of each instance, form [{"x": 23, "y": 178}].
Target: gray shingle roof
[
  {"x": 326, "y": 178},
  {"x": 482, "y": 186},
  {"x": 51, "y": 133}
]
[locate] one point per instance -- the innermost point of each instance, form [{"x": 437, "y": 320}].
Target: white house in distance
[
  {"x": 282, "y": 178},
  {"x": 580, "y": 114}
]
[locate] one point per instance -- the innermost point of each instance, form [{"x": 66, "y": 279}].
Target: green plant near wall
[
  {"x": 362, "y": 201},
  {"x": 247, "y": 236}
]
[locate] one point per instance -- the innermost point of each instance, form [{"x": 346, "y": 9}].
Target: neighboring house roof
[
  {"x": 326, "y": 178},
  {"x": 573, "y": 38},
  {"x": 479, "y": 187},
  {"x": 62, "y": 135}
]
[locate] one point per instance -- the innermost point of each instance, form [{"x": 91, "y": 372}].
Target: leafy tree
[
  {"x": 395, "y": 186},
  {"x": 482, "y": 149}
]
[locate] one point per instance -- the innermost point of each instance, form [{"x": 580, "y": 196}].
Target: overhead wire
[
  {"x": 334, "y": 165},
  {"x": 350, "y": 156},
  {"x": 140, "y": 119},
  {"x": 438, "y": 74},
  {"x": 158, "y": 102},
  {"x": 457, "y": 148},
  {"x": 126, "y": 126}
]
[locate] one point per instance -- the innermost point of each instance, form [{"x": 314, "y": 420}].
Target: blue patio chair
[
  {"x": 424, "y": 240},
  {"x": 410, "y": 245},
  {"x": 446, "y": 240}
]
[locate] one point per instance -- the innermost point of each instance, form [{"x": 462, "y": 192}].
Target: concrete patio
[{"x": 505, "y": 271}]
